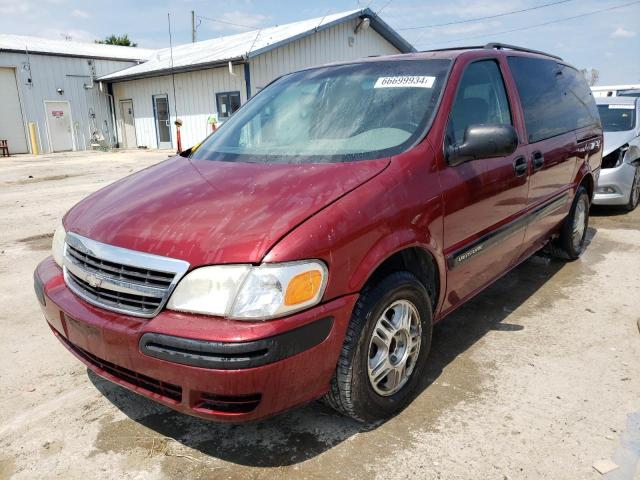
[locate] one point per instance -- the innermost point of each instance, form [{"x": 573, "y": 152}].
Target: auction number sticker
[
  {"x": 405, "y": 81},
  {"x": 622, "y": 107}
]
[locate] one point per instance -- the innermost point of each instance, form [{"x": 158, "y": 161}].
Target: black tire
[
  {"x": 569, "y": 246},
  {"x": 351, "y": 392},
  {"x": 634, "y": 196}
]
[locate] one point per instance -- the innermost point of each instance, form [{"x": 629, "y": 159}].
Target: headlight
[
  {"x": 251, "y": 293},
  {"x": 57, "y": 246},
  {"x": 614, "y": 159}
]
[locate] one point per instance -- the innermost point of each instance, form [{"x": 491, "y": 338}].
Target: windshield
[
  {"x": 617, "y": 118},
  {"x": 333, "y": 114}
]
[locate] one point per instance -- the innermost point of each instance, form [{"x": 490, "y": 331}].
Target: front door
[
  {"x": 128, "y": 124},
  {"x": 163, "y": 121},
  {"x": 483, "y": 198},
  {"x": 59, "y": 123}
]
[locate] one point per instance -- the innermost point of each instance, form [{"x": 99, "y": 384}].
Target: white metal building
[
  {"x": 217, "y": 76},
  {"x": 51, "y": 83}
]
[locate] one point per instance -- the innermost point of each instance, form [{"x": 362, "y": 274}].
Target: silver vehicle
[
  {"x": 619, "y": 182},
  {"x": 616, "y": 90}
]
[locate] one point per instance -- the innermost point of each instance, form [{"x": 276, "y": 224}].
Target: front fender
[
  {"x": 632, "y": 155},
  {"x": 400, "y": 208}
]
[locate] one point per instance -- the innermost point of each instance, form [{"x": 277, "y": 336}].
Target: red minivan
[{"x": 306, "y": 249}]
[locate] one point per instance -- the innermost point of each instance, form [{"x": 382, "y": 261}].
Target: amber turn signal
[{"x": 303, "y": 287}]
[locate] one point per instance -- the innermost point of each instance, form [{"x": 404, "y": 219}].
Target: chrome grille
[
  {"x": 115, "y": 299},
  {"x": 120, "y": 279},
  {"x": 127, "y": 273}
]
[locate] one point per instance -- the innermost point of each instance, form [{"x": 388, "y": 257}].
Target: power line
[
  {"x": 251, "y": 27},
  {"x": 387, "y": 4},
  {"x": 477, "y": 19},
  {"x": 537, "y": 25}
]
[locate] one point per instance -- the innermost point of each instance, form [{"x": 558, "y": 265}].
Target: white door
[
  {"x": 128, "y": 125},
  {"x": 163, "y": 122},
  {"x": 59, "y": 125},
  {"x": 11, "y": 124}
]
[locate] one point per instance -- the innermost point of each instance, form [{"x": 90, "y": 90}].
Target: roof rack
[
  {"x": 496, "y": 46},
  {"x": 501, "y": 46},
  {"x": 446, "y": 49}
]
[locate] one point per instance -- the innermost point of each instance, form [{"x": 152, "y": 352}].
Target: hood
[
  {"x": 209, "y": 212},
  {"x": 614, "y": 140}
]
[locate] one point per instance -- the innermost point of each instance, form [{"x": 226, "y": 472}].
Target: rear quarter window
[{"x": 555, "y": 97}]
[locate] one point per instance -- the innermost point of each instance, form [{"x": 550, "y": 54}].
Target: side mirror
[
  {"x": 185, "y": 153},
  {"x": 483, "y": 141}
]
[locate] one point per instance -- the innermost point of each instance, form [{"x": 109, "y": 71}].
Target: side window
[
  {"x": 228, "y": 102},
  {"x": 579, "y": 97},
  {"x": 554, "y": 97},
  {"x": 481, "y": 99}
]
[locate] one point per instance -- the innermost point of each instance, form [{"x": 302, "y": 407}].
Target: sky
[{"x": 607, "y": 41}]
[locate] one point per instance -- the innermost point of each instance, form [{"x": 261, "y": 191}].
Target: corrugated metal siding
[
  {"x": 195, "y": 91},
  {"x": 331, "y": 45},
  {"x": 48, "y": 73},
  {"x": 195, "y": 95}
]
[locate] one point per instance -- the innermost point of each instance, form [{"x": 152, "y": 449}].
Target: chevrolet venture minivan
[{"x": 306, "y": 248}]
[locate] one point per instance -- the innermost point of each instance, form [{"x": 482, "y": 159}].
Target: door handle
[
  {"x": 520, "y": 166},
  {"x": 537, "y": 159}
]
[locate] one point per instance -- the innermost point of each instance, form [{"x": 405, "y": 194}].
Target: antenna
[
  {"x": 173, "y": 75},
  {"x": 254, "y": 42},
  {"x": 322, "y": 20}
]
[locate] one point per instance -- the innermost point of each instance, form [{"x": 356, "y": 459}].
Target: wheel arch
[
  {"x": 588, "y": 183},
  {"x": 417, "y": 259}
]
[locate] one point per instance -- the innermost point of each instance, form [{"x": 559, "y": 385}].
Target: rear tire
[
  {"x": 634, "y": 196},
  {"x": 573, "y": 234},
  {"x": 390, "y": 331}
]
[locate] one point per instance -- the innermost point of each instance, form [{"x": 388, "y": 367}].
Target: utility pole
[{"x": 193, "y": 26}]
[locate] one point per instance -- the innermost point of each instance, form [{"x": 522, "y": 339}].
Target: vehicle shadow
[
  {"x": 607, "y": 211},
  {"x": 306, "y": 432}
]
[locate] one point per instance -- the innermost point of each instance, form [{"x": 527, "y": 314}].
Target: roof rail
[
  {"x": 496, "y": 46},
  {"x": 501, "y": 46},
  {"x": 469, "y": 47}
]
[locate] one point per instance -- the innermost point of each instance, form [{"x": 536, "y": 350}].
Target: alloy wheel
[
  {"x": 394, "y": 347},
  {"x": 580, "y": 219},
  {"x": 635, "y": 189}
]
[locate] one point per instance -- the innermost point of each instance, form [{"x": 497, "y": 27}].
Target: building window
[{"x": 228, "y": 102}]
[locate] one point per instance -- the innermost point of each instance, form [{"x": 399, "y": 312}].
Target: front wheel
[{"x": 385, "y": 350}]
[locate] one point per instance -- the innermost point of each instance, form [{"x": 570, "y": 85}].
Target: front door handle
[
  {"x": 538, "y": 160},
  {"x": 520, "y": 166}
]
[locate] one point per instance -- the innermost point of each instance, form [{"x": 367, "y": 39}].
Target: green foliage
[{"x": 122, "y": 40}]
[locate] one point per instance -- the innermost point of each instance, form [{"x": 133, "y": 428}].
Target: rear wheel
[
  {"x": 573, "y": 234},
  {"x": 385, "y": 350},
  {"x": 634, "y": 197}
]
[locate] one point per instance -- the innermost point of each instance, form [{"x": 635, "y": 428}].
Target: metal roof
[
  {"x": 243, "y": 46},
  {"x": 37, "y": 45}
]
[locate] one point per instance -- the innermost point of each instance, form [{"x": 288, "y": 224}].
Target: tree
[
  {"x": 592, "y": 75},
  {"x": 122, "y": 40}
]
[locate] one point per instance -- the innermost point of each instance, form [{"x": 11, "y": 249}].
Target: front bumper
[
  {"x": 619, "y": 180},
  {"x": 213, "y": 368}
]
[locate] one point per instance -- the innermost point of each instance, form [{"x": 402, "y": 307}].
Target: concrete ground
[{"x": 537, "y": 377}]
